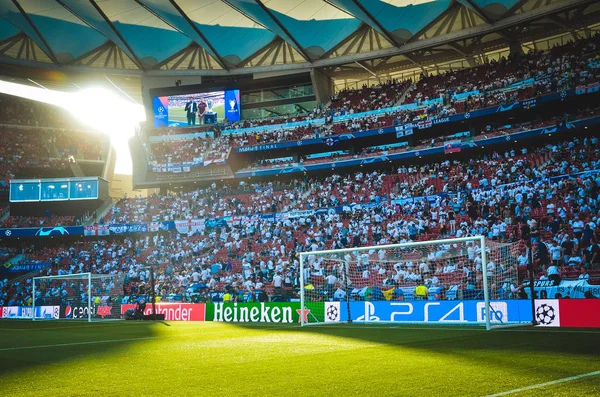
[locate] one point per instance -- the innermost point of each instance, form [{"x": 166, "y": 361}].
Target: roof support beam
[
  {"x": 443, "y": 15},
  {"x": 262, "y": 50},
  {"x": 50, "y": 53},
  {"x": 466, "y": 35},
  {"x": 96, "y": 50},
  {"x": 135, "y": 59},
  {"x": 564, "y": 25},
  {"x": 515, "y": 8},
  {"x": 383, "y": 30},
  {"x": 367, "y": 69},
  {"x": 277, "y": 50},
  {"x": 175, "y": 56},
  {"x": 354, "y": 37},
  {"x": 410, "y": 58},
  {"x": 183, "y": 57},
  {"x": 284, "y": 29},
  {"x": 267, "y": 54},
  {"x": 477, "y": 10},
  {"x": 11, "y": 41},
  {"x": 216, "y": 55}
]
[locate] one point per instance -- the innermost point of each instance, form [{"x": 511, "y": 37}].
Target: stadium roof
[{"x": 244, "y": 36}]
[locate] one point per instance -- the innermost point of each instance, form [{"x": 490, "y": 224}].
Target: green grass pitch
[{"x": 67, "y": 358}]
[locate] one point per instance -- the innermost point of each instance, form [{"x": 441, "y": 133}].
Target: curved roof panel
[
  {"x": 316, "y": 25},
  {"x": 226, "y": 34},
  {"x": 7, "y": 30},
  {"x": 151, "y": 39},
  {"x": 234, "y": 36},
  {"x": 55, "y": 23},
  {"x": 404, "y": 18}
]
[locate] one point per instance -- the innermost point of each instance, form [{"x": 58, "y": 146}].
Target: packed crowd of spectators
[
  {"x": 39, "y": 221},
  {"x": 507, "y": 197},
  {"x": 490, "y": 84},
  {"x": 210, "y": 202},
  {"x": 45, "y": 150},
  {"x": 25, "y": 112},
  {"x": 187, "y": 151},
  {"x": 561, "y": 68},
  {"x": 80, "y": 145},
  {"x": 489, "y": 131},
  {"x": 366, "y": 98}
]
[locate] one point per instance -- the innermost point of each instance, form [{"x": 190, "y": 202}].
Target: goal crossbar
[{"x": 475, "y": 239}]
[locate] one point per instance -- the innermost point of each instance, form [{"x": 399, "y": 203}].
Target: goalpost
[
  {"x": 467, "y": 280},
  {"x": 83, "y": 296}
]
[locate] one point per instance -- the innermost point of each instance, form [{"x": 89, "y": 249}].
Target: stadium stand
[
  {"x": 522, "y": 204},
  {"x": 543, "y": 195},
  {"x": 510, "y": 79}
]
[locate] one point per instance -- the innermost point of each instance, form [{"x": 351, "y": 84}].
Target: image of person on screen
[
  {"x": 202, "y": 106},
  {"x": 191, "y": 108}
]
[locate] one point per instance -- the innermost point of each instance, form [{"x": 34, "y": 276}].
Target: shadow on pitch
[
  {"x": 499, "y": 347},
  {"x": 25, "y": 344}
]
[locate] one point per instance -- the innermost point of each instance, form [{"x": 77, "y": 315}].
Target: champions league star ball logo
[
  {"x": 545, "y": 314},
  {"x": 332, "y": 313},
  {"x": 161, "y": 110}
]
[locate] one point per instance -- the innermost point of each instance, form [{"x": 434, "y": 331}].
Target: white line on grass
[
  {"x": 76, "y": 343},
  {"x": 551, "y": 383}
]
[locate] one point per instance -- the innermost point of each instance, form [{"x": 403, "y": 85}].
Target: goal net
[
  {"x": 467, "y": 280},
  {"x": 84, "y": 296}
]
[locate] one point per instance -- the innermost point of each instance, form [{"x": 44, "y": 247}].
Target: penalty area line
[
  {"x": 76, "y": 343},
  {"x": 541, "y": 385}
]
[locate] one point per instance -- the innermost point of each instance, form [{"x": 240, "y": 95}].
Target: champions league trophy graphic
[
  {"x": 210, "y": 117},
  {"x": 232, "y": 103}
]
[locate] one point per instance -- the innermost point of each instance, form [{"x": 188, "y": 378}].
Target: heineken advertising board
[{"x": 264, "y": 312}]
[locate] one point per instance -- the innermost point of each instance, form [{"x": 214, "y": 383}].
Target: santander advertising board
[{"x": 174, "y": 311}]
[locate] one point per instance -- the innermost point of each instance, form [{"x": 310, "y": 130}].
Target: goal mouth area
[
  {"x": 76, "y": 297},
  {"x": 455, "y": 281}
]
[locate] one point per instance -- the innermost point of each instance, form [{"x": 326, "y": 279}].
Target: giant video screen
[{"x": 196, "y": 109}]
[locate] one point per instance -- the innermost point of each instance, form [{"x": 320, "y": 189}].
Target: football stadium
[{"x": 299, "y": 197}]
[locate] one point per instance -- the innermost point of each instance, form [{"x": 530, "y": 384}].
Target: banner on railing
[
  {"x": 264, "y": 312},
  {"x": 527, "y": 103},
  {"x": 457, "y": 312},
  {"x": 41, "y": 312},
  {"x": 190, "y": 225},
  {"x": 174, "y": 311},
  {"x": 23, "y": 267},
  {"x": 566, "y": 288},
  {"x": 184, "y": 166},
  {"x": 99, "y": 230},
  {"x": 580, "y": 313}
]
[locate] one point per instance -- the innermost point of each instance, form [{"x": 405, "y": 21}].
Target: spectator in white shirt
[
  {"x": 555, "y": 252},
  {"x": 523, "y": 260},
  {"x": 554, "y": 274}
]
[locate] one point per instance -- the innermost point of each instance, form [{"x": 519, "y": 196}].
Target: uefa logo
[{"x": 545, "y": 314}]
